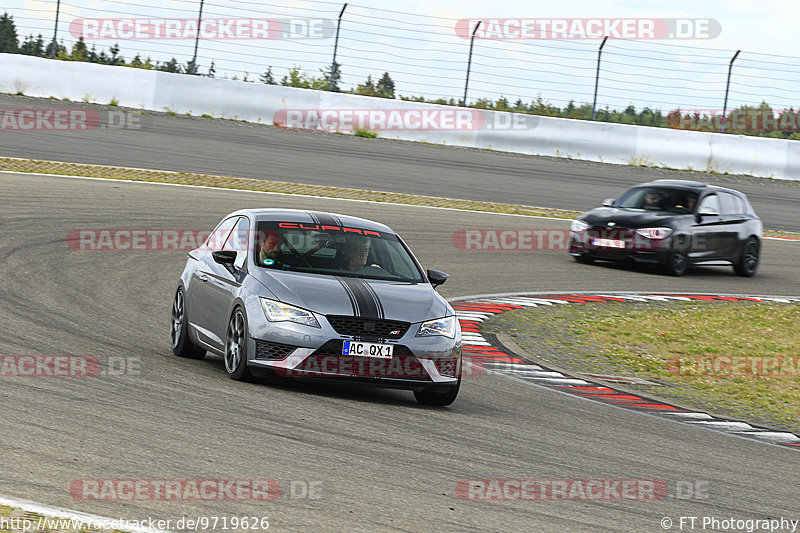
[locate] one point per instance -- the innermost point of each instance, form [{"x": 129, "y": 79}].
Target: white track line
[{"x": 89, "y": 520}]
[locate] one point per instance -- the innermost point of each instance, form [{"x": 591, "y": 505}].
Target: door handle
[{"x": 202, "y": 277}]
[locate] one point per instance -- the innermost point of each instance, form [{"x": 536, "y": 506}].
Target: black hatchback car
[{"x": 674, "y": 224}]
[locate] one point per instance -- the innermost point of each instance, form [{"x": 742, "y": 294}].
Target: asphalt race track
[
  {"x": 384, "y": 463},
  {"x": 161, "y": 141}
]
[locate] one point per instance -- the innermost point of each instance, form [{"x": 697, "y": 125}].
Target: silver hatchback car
[{"x": 303, "y": 294}]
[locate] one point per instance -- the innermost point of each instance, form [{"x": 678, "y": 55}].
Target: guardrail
[{"x": 292, "y": 107}]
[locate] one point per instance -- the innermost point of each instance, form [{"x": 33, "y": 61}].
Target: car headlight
[
  {"x": 281, "y": 312},
  {"x": 579, "y": 225},
  {"x": 445, "y": 327},
  {"x": 655, "y": 233}
]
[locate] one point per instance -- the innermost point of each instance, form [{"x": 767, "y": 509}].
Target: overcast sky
[{"x": 418, "y": 43}]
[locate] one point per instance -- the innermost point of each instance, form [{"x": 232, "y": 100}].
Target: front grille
[
  {"x": 273, "y": 351},
  {"x": 328, "y": 359},
  {"x": 356, "y": 326}
]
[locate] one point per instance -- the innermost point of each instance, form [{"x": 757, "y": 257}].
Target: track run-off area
[{"x": 377, "y": 460}]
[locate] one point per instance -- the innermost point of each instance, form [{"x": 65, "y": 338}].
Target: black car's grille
[
  {"x": 355, "y": 326},
  {"x": 273, "y": 351}
]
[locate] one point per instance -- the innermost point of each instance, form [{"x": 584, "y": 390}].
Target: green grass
[
  {"x": 114, "y": 102},
  {"x": 689, "y": 347},
  {"x": 366, "y": 134}
]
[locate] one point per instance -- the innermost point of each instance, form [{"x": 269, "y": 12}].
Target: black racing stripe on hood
[
  {"x": 353, "y": 301},
  {"x": 377, "y": 300},
  {"x": 368, "y": 305}
]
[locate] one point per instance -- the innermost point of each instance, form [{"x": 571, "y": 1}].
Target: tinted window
[
  {"x": 238, "y": 240},
  {"x": 709, "y": 204},
  {"x": 739, "y": 206},
  {"x": 336, "y": 251},
  {"x": 727, "y": 204},
  {"x": 658, "y": 199},
  {"x": 220, "y": 234}
]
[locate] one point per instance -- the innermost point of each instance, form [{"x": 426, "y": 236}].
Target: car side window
[
  {"x": 727, "y": 205},
  {"x": 709, "y": 204},
  {"x": 238, "y": 240},
  {"x": 740, "y": 208},
  {"x": 220, "y": 234}
]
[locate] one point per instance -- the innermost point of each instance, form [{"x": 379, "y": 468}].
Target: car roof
[
  {"x": 313, "y": 217},
  {"x": 686, "y": 184}
]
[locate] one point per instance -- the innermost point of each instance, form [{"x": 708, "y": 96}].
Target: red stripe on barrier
[
  {"x": 588, "y": 389},
  {"x": 655, "y": 406},
  {"x": 619, "y": 397},
  {"x": 504, "y": 359}
]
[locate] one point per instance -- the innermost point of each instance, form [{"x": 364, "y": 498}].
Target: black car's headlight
[
  {"x": 578, "y": 225},
  {"x": 654, "y": 233},
  {"x": 281, "y": 312},
  {"x": 446, "y": 327}
]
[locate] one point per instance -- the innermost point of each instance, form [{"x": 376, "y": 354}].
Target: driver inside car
[
  {"x": 269, "y": 247},
  {"x": 652, "y": 200},
  {"x": 355, "y": 253}
]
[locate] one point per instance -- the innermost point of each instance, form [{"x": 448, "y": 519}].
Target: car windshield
[
  {"x": 662, "y": 199},
  {"x": 336, "y": 251}
]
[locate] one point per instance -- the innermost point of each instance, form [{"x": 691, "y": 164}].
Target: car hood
[
  {"x": 628, "y": 218},
  {"x": 331, "y": 295}
]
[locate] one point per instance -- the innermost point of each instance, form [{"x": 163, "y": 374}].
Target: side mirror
[
  {"x": 436, "y": 277},
  {"x": 225, "y": 258},
  {"x": 608, "y": 202}
]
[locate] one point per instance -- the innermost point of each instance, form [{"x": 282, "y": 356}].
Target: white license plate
[
  {"x": 608, "y": 243},
  {"x": 367, "y": 349}
]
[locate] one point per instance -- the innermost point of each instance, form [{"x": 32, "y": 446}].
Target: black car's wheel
[
  {"x": 437, "y": 398},
  {"x": 182, "y": 346},
  {"x": 748, "y": 263},
  {"x": 677, "y": 264},
  {"x": 236, "y": 342},
  {"x": 586, "y": 259}
]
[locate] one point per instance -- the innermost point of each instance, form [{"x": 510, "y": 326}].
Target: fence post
[
  {"x": 55, "y": 31},
  {"x": 597, "y": 77},
  {"x": 335, "y": 48},
  {"x": 469, "y": 64},
  {"x": 727, "y": 88},
  {"x": 197, "y": 39}
]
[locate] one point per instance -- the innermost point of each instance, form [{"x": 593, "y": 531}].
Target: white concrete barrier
[{"x": 526, "y": 134}]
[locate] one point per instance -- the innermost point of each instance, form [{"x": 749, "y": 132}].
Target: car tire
[
  {"x": 437, "y": 398},
  {"x": 585, "y": 259},
  {"x": 182, "y": 346},
  {"x": 677, "y": 264},
  {"x": 749, "y": 260},
  {"x": 237, "y": 341}
]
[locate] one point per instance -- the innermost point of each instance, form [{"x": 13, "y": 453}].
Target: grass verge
[
  {"x": 229, "y": 182},
  {"x": 738, "y": 360}
]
